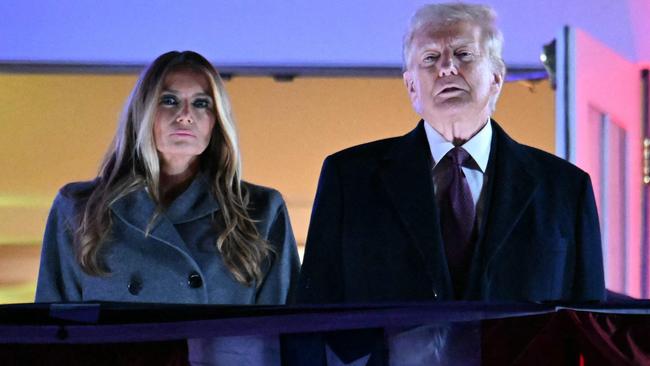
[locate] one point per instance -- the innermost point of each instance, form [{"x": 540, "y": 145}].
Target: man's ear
[
  {"x": 497, "y": 81},
  {"x": 408, "y": 82}
]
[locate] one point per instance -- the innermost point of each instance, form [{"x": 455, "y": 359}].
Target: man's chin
[
  {"x": 452, "y": 107},
  {"x": 459, "y": 112}
]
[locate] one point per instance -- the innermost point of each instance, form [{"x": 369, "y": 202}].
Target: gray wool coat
[{"x": 177, "y": 262}]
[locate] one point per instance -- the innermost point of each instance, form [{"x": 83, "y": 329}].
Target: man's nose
[{"x": 447, "y": 66}]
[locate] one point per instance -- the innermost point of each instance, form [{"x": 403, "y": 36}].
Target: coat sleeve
[
  {"x": 321, "y": 279},
  {"x": 589, "y": 280},
  {"x": 283, "y": 273},
  {"x": 59, "y": 274}
]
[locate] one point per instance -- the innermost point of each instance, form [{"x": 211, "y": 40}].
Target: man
[{"x": 455, "y": 209}]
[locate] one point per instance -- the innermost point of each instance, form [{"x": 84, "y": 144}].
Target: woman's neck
[{"x": 174, "y": 180}]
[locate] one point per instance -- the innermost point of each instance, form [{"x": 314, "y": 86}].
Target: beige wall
[{"x": 54, "y": 129}]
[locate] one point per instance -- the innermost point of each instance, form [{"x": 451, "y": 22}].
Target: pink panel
[
  {"x": 646, "y": 224},
  {"x": 616, "y": 206},
  {"x": 593, "y": 151},
  {"x": 607, "y": 82}
]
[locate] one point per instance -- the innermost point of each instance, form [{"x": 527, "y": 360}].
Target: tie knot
[{"x": 459, "y": 156}]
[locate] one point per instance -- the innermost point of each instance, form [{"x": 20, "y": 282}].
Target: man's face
[{"x": 449, "y": 76}]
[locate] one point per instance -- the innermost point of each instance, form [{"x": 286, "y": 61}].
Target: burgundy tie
[{"x": 457, "y": 214}]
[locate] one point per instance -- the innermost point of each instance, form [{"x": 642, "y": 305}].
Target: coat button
[
  {"x": 135, "y": 285},
  {"x": 194, "y": 280},
  {"x": 435, "y": 293}
]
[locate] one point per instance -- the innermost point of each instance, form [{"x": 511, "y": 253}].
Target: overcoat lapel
[
  {"x": 406, "y": 175},
  {"x": 137, "y": 208},
  {"x": 513, "y": 185}
]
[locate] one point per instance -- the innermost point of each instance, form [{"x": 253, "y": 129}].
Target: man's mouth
[{"x": 450, "y": 89}]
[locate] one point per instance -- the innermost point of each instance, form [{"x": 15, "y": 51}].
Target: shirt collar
[{"x": 478, "y": 146}]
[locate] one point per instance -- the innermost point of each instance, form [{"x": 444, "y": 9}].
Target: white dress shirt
[{"x": 478, "y": 148}]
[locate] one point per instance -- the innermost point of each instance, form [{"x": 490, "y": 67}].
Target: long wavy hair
[{"x": 132, "y": 162}]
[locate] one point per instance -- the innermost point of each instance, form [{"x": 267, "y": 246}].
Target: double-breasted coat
[{"x": 176, "y": 262}]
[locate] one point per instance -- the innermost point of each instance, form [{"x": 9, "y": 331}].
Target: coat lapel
[
  {"x": 513, "y": 185},
  {"x": 406, "y": 175},
  {"x": 194, "y": 203},
  {"x": 137, "y": 208}
]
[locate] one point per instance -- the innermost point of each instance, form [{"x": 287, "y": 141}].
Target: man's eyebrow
[{"x": 456, "y": 42}]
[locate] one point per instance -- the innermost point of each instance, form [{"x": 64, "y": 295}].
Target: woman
[{"x": 168, "y": 219}]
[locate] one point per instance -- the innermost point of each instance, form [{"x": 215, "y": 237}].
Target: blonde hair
[
  {"x": 442, "y": 15},
  {"x": 132, "y": 162}
]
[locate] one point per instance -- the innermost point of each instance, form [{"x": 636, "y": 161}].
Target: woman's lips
[{"x": 183, "y": 133}]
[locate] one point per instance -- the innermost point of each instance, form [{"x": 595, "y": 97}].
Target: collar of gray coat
[{"x": 137, "y": 207}]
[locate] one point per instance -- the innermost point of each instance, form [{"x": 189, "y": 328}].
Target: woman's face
[{"x": 184, "y": 117}]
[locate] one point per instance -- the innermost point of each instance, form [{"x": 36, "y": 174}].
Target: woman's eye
[
  {"x": 201, "y": 103},
  {"x": 168, "y": 100}
]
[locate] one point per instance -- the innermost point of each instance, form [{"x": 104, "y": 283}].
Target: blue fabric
[{"x": 157, "y": 267}]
